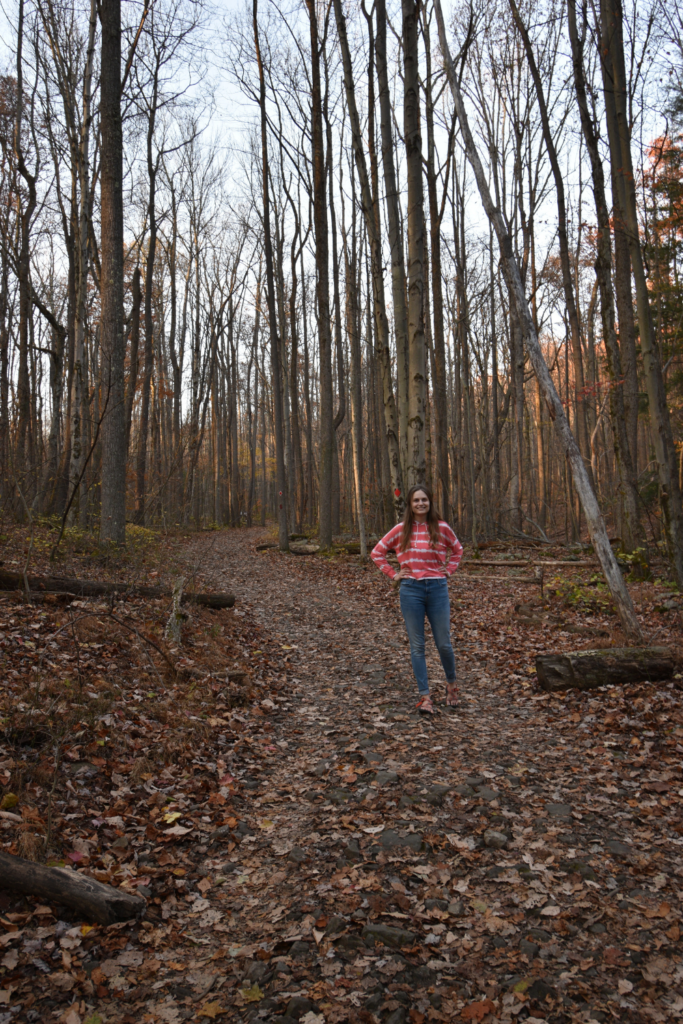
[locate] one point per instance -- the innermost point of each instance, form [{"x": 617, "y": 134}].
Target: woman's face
[{"x": 419, "y": 503}]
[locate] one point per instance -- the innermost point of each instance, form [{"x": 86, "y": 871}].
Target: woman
[{"x": 422, "y": 543}]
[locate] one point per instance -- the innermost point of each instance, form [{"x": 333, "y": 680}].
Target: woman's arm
[
  {"x": 455, "y": 548},
  {"x": 389, "y": 542}
]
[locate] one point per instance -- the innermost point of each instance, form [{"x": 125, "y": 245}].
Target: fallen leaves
[
  {"x": 177, "y": 830},
  {"x": 10, "y": 960},
  {"x": 252, "y": 994},
  {"x": 478, "y": 1010},
  {"x": 211, "y": 1010},
  {"x": 376, "y": 820}
]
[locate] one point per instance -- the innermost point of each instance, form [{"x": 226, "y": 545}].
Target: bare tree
[{"x": 113, "y": 487}]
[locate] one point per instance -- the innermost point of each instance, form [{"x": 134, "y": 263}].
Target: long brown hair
[{"x": 433, "y": 518}]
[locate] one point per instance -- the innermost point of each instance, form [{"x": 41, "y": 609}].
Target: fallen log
[
  {"x": 613, "y": 666},
  {"x": 18, "y": 597},
  {"x": 506, "y": 563},
  {"x": 499, "y": 579},
  {"x": 92, "y": 588},
  {"x": 93, "y": 900}
]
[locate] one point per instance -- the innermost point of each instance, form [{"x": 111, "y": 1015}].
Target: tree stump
[{"x": 613, "y": 666}]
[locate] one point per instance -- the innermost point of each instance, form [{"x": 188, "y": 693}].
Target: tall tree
[
  {"x": 112, "y": 337},
  {"x": 398, "y": 270},
  {"x": 276, "y": 364},
  {"x": 619, "y": 132},
  {"x": 417, "y": 360},
  {"x": 603, "y": 272},
  {"x": 322, "y": 283}
]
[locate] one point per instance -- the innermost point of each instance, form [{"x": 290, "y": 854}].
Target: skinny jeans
[{"x": 428, "y": 598}]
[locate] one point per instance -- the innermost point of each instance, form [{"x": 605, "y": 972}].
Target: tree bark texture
[
  {"x": 322, "y": 285},
  {"x": 417, "y": 359},
  {"x": 398, "y": 270},
  {"x": 603, "y": 272},
  {"x": 112, "y": 340},
  {"x": 283, "y": 529},
  {"x": 615, "y": 92}
]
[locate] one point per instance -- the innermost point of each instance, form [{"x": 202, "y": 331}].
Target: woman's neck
[{"x": 420, "y": 518}]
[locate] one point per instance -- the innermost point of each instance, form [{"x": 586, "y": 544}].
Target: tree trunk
[
  {"x": 353, "y": 332},
  {"x": 398, "y": 273},
  {"x": 278, "y": 424},
  {"x": 603, "y": 273},
  {"x": 234, "y": 440},
  {"x": 435, "y": 218},
  {"x": 615, "y": 92},
  {"x": 134, "y": 349},
  {"x": 322, "y": 286},
  {"x": 417, "y": 365},
  {"x": 143, "y": 427},
  {"x": 112, "y": 341},
  {"x": 307, "y": 401},
  {"x": 26, "y": 208},
  {"x": 338, "y": 348}
]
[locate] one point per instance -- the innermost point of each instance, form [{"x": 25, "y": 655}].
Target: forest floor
[{"x": 310, "y": 847}]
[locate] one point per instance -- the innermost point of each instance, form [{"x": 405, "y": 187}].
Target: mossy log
[
  {"x": 93, "y": 900},
  {"x": 613, "y": 666},
  {"x": 13, "y": 581}
]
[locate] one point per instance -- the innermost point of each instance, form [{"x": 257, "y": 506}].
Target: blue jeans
[{"x": 428, "y": 597}]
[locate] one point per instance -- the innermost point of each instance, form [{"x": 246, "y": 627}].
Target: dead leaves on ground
[{"x": 274, "y": 821}]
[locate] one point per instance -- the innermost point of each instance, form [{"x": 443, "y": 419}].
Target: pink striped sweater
[{"x": 422, "y": 561}]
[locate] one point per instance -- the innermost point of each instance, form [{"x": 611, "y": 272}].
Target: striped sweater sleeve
[
  {"x": 454, "y": 546},
  {"x": 389, "y": 542}
]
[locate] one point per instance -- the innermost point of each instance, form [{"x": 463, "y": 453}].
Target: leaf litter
[{"x": 312, "y": 849}]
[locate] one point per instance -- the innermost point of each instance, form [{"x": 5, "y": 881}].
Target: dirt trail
[{"x": 519, "y": 859}]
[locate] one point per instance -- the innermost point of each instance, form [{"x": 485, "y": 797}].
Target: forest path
[{"x": 522, "y": 852}]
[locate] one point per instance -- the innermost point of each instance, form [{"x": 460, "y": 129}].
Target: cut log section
[
  {"x": 304, "y": 549},
  {"x": 613, "y": 666},
  {"x": 91, "y": 899},
  {"x": 13, "y": 581}
]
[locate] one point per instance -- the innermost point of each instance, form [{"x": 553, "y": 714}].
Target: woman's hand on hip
[{"x": 403, "y": 574}]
